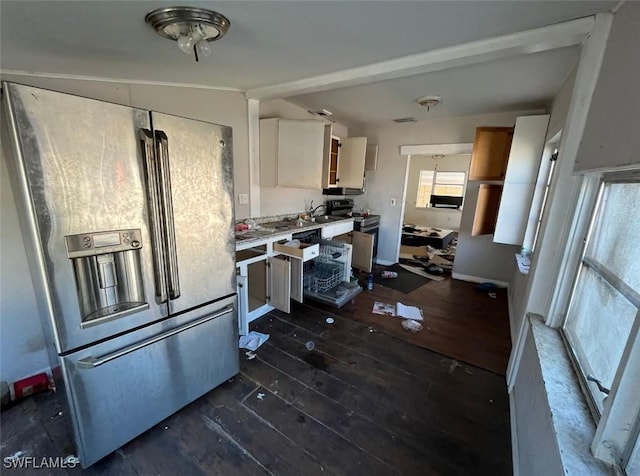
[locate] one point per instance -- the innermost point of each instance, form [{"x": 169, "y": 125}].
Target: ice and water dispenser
[{"x": 108, "y": 274}]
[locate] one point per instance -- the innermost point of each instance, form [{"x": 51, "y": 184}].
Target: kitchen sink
[{"x": 327, "y": 219}]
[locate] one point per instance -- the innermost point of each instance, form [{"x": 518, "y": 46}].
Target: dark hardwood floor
[
  {"x": 362, "y": 402},
  {"x": 461, "y": 322}
]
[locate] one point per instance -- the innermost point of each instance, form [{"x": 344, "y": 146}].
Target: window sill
[{"x": 574, "y": 428}]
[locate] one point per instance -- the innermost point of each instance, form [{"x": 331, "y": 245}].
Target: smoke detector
[{"x": 429, "y": 101}]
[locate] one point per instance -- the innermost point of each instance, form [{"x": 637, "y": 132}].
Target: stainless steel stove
[{"x": 364, "y": 223}]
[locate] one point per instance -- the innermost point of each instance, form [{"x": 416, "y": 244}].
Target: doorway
[{"x": 432, "y": 202}]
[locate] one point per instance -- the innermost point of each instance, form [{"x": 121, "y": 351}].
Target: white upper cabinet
[
  {"x": 344, "y": 160},
  {"x": 351, "y": 162},
  {"x": 520, "y": 179},
  {"x": 291, "y": 153}
]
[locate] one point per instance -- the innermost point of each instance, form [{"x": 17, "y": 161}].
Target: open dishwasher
[{"x": 327, "y": 278}]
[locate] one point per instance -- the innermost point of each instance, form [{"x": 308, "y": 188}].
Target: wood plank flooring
[
  {"x": 363, "y": 402},
  {"x": 461, "y": 322}
]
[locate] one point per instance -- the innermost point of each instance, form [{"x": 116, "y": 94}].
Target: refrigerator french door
[{"x": 127, "y": 217}]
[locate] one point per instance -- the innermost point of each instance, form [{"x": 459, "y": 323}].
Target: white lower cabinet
[{"x": 270, "y": 275}]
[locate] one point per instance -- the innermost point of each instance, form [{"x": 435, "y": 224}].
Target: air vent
[
  {"x": 322, "y": 113},
  {"x": 405, "y": 119}
]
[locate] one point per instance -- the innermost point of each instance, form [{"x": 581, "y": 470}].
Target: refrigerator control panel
[{"x": 90, "y": 244}]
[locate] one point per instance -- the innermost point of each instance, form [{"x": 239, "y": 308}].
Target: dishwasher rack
[{"x": 324, "y": 273}]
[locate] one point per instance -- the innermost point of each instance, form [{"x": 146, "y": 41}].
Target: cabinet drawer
[
  {"x": 305, "y": 252},
  {"x": 335, "y": 229}
]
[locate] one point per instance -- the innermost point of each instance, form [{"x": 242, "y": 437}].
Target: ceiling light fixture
[
  {"x": 429, "y": 101},
  {"x": 193, "y": 28}
]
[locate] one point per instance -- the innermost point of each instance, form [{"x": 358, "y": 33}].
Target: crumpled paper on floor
[{"x": 253, "y": 340}]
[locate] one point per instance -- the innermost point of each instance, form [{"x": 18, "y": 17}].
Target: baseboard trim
[
  {"x": 478, "y": 279},
  {"x": 514, "y": 436}
]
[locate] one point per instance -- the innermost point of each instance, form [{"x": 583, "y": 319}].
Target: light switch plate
[
  {"x": 243, "y": 198},
  {"x": 393, "y": 201}
]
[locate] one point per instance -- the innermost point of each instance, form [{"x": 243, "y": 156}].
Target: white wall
[
  {"x": 519, "y": 284},
  {"x": 284, "y": 200},
  {"x": 611, "y": 136},
  {"x": 438, "y": 217},
  {"x": 537, "y": 451},
  {"x": 388, "y": 182}
]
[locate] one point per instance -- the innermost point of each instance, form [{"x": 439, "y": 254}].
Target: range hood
[{"x": 342, "y": 191}]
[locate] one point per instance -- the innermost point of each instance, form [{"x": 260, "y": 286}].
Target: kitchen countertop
[{"x": 281, "y": 230}]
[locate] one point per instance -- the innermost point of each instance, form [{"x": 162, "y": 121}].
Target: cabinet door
[
  {"x": 280, "y": 283},
  {"x": 299, "y": 158},
  {"x": 371, "y": 157},
  {"x": 520, "y": 180},
  {"x": 484, "y": 221},
  {"x": 362, "y": 251},
  {"x": 351, "y": 162},
  {"x": 297, "y": 289},
  {"x": 490, "y": 153}
]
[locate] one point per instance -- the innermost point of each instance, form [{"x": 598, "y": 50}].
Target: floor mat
[{"x": 406, "y": 281}]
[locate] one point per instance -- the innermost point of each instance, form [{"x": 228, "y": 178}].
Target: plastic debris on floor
[{"x": 253, "y": 340}]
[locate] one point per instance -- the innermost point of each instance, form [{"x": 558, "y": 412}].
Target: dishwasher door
[{"x": 115, "y": 394}]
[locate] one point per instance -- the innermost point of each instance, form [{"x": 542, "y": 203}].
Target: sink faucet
[{"x": 312, "y": 211}]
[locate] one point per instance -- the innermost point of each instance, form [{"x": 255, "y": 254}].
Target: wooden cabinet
[
  {"x": 263, "y": 284},
  {"x": 484, "y": 221},
  {"x": 344, "y": 160},
  {"x": 490, "y": 153},
  {"x": 362, "y": 251},
  {"x": 510, "y": 156},
  {"x": 291, "y": 153}
]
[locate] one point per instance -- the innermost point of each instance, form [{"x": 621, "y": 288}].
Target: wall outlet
[
  {"x": 243, "y": 198},
  {"x": 393, "y": 201}
]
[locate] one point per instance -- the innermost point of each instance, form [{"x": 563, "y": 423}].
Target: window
[
  {"x": 603, "y": 320},
  {"x": 445, "y": 184}
]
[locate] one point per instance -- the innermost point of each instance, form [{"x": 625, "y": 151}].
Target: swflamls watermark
[{"x": 19, "y": 461}]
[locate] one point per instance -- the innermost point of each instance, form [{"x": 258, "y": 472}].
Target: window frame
[
  {"x": 611, "y": 441},
  {"x": 434, "y": 183}
]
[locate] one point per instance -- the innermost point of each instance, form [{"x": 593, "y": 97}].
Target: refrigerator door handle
[
  {"x": 93, "y": 362},
  {"x": 157, "y": 238},
  {"x": 162, "y": 144}
]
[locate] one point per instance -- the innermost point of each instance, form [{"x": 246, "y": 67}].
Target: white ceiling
[{"x": 276, "y": 42}]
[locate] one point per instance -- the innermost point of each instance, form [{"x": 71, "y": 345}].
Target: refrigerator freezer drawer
[{"x": 118, "y": 394}]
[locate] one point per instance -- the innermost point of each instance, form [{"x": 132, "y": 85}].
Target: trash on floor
[
  {"x": 329, "y": 320},
  {"x": 260, "y": 396},
  {"x": 250, "y": 355},
  {"x": 420, "y": 272},
  {"x": 389, "y": 274},
  {"x": 411, "y": 325},
  {"x": 253, "y": 340},
  {"x": 485, "y": 287},
  {"x": 310, "y": 345},
  {"x": 398, "y": 310},
  {"x": 492, "y": 295}
]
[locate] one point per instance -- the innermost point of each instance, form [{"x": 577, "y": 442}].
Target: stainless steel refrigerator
[{"x": 127, "y": 216}]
